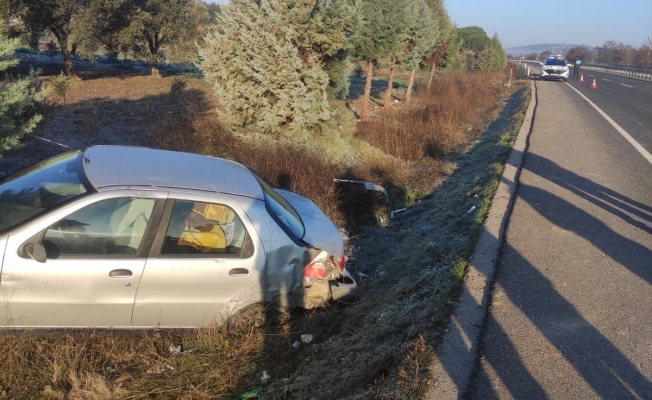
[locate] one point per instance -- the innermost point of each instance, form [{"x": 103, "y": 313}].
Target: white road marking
[
  {"x": 627, "y": 85},
  {"x": 620, "y": 130},
  {"x": 606, "y": 80},
  {"x": 592, "y": 76}
]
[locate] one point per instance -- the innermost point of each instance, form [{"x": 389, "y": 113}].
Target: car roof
[{"x": 106, "y": 166}]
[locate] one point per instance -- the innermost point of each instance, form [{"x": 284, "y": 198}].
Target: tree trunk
[
  {"x": 153, "y": 51},
  {"x": 68, "y": 55},
  {"x": 390, "y": 85},
  {"x": 432, "y": 75},
  {"x": 367, "y": 90},
  {"x": 408, "y": 95}
]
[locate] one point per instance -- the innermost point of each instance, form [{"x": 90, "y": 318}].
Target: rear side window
[
  {"x": 205, "y": 228},
  {"x": 281, "y": 210}
]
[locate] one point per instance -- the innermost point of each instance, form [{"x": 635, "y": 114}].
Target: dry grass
[{"x": 378, "y": 348}]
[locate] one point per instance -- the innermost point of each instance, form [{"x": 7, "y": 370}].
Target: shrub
[
  {"x": 60, "y": 85},
  {"x": 178, "y": 84},
  {"x": 18, "y": 99}
]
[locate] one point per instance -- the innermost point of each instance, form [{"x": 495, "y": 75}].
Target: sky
[
  {"x": 524, "y": 22},
  {"x": 589, "y": 22}
]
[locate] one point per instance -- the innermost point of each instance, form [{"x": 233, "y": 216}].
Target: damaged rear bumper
[{"x": 315, "y": 294}]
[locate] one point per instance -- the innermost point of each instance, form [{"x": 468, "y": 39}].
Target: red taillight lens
[
  {"x": 315, "y": 270},
  {"x": 341, "y": 262}
]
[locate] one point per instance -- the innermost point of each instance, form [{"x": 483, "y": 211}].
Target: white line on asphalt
[
  {"x": 627, "y": 85},
  {"x": 613, "y": 123},
  {"x": 606, "y": 80}
]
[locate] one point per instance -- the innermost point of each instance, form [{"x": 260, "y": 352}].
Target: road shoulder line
[
  {"x": 620, "y": 130},
  {"x": 455, "y": 359}
]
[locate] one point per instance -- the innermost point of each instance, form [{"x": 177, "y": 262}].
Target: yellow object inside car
[{"x": 202, "y": 228}]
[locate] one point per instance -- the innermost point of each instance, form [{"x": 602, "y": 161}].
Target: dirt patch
[{"x": 106, "y": 110}]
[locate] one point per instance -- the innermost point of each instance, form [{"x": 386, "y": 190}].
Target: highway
[
  {"x": 627, "y": 101},
  {"x": 571, "y": 305}
]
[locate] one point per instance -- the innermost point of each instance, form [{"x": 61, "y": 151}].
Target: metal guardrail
[
  {"x": 644, "y": 73},
  {"x": 636, "y": 72}
]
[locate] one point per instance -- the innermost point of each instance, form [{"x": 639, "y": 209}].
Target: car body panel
[
  {"x": 319, "y": 230},
  {"x": 79, "y": 291},
  {"x": 210, "y": 282},
  {"x": 284, "y": 260},
  {"x": 141, "y": 166}
]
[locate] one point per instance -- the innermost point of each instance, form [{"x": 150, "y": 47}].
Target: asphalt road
[
  {"x": 627, "y": 101},
  {"x": 571, "y": 307}
]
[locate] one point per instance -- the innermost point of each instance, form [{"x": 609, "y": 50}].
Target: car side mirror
[{"x": 36, "y": 251}]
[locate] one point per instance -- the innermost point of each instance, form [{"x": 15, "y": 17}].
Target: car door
[
  {"x": 94, "y": 254},
  {"x": 205, "y": 263}
]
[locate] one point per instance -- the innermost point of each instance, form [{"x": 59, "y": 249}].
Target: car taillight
[
  {"x": 315, "y": 270},
  {"x": 341, "y": 262}
]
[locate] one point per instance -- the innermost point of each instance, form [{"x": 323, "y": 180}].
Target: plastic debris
[
  {"x": 265, "y": 378},
  {"x": 307, "y": 338},
  {"x": 176, "y": 350},
  {"x": 471, "y": 210},
  {"x": 296, "y": 344},
  {"x": 252, "y": 394},
  {"x": 169, "y": 367},
  {"x": 393, "y": 213},
  {"x": 426, "y": 227}
]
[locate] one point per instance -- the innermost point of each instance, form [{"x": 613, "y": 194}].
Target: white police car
[{"x": 554, "y": 68}]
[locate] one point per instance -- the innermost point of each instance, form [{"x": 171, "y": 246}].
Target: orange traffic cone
[
  {"x": 593, "y": 85},
  {"x": 581, "y": 78}
]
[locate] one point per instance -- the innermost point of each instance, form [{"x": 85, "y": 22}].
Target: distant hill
[{"x": 556, "y": 48}]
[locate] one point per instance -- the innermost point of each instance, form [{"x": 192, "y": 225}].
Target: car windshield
[
  {"x": 34, "y": 190},
  {"x": 555, "y": 61},
  {"x": 281, "y": 210}
]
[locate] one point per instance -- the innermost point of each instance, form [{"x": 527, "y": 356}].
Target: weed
[
  {"x": 61, "y": 85},
  {"x": 178, "y": 84}
]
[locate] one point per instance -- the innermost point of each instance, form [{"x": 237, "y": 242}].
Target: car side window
[
  {"x": 204, "y": 228},
  {"x": 109, "y": 227}
]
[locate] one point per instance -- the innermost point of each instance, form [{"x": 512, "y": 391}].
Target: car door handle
[
  {"x": 239, "y": 272},
  {"x": 120, "y": 273}
]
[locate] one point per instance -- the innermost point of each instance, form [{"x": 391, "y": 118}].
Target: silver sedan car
[{"x": 131, "y": 237}]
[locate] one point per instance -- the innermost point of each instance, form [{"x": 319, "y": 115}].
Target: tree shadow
[
  {"x": 609, "y": 200},
  {"x": 597, "y": 361}
]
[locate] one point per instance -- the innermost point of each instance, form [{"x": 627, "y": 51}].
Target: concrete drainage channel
[{"x": 456, "y": 358}]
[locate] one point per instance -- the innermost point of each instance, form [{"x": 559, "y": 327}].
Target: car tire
[{"x": 565, "y": 80}]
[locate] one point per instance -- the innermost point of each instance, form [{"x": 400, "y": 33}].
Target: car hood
[
  {"x": 320, "y": 231},
  {"x": 554, "y": 67}
]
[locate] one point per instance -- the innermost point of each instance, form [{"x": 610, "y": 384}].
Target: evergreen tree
[
  {"x": 498, "y": 56},
  {"x": 447, "y": 44},
  {"x": 380, "y": 30},
  {"x": 474, "y": 38},
  {"x": 396, "y": 53},
  {"x": 18, "y": 98},
  {"x": 262, "y": 63},
  {"x": 421, "y": 38}
]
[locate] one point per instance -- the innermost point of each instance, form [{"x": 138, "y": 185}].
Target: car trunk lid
[{"x": 320, "y": 232}]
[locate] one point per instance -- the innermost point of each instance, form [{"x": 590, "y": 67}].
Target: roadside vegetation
[{"x": 414, "y": 110}]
